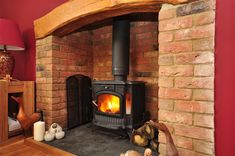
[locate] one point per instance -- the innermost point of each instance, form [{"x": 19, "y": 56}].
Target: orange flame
[{"x": 109, "y": 103}]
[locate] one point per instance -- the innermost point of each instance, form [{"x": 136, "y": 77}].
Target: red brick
[
  {"x": 151, "y": 54},
  {"x": 151, "y": 106},
  {"x": 165, "y": 37},
  {"x": 195, "y": 33},
  {"x": 176, "y": 47},
  {"x": 140, "y": 67},
  {"x": 145, "y": 35},
  {"x": 149, "y": 41},
  {"x": 204, "y": 18},
  {"x": 204, "y": 147},
  {"x": 204, "y": 120},
  {"x": 59, "y": 119},
  {"x": 170, "y": 116},
  {"x": 141, "y": 23},
  {"x": 180, "y": 70},
  {"x": 64, "y": 55},
  {"x": 165, "y": 81},
  {"x": 165, "y": 104},
  {"x": 152, "y": 90},
  {"x": 212, "y": 4},
  {"x": 194, "y": 106},
  {"x": 144, "y": 28},
  {"x": 176, "y": 23},
  {"x": 192, "y": 82},
  {"x": 46, "y": 61},
  {"x": 193, "y": 8},
  {"x": 63, "y": 112},
  {"x": 183, "y": 142},
  {"x": 203, "y": 31},
  {"x": 167, "y": 14},
  {"x": 194, "y": 58},
  {"x": 204, "y": 95},
  {"x": 41, "y": 80},
  {"x": 151, "y": 99},
  {"x": 154, "y": 114},
  {"x": 173, "y": 93},
  {"x": 195, "y": 132},
  {"x": 143, "y": 60},
  {"x": 186, "y": 152},
  {"x": 165, "y": 60},
  {"x": 184, "y": 34},
  {"x": 203, "y": 44},
  {"x": 103, "y": 30},
  {"x": 39, "y": 42},
  {"x": 58, "y": 106},
  {"x": 204, "y": 70}
]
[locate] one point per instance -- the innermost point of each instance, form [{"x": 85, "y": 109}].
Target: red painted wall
[
  {"x": 1, "y": 11},
  {"x": 24, "y": 12},
  {"x": 225, "y": 78}
]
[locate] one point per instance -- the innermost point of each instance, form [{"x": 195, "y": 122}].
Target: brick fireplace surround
[{"x": 174, "y": 55}]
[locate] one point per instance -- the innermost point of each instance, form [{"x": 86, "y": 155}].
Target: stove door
[{"x": 109, "y": 103}]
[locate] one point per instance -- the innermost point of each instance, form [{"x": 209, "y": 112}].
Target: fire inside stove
[{"x": 108, "y": 103}]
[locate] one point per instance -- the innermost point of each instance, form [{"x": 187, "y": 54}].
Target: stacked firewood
[{"x": 145, "y": 136}]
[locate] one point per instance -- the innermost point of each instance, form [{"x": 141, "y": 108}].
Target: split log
[
  {"x": 154, "y": 145},
  {"x": 149, "y": 130},
  {"x": 142, "y": 135},
  {"x": 139, "y": 138}
]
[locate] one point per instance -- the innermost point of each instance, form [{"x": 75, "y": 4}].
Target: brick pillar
[
  {"x": 186, "y": 76},
  {"x": 57, "y": 59},
  {"x": 44, "y": 76}
]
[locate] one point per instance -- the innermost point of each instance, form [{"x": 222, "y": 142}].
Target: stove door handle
[{"x": 94, "y": 103}]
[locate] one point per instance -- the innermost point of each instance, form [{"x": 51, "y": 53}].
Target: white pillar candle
[{"x": 39, "y": 130}]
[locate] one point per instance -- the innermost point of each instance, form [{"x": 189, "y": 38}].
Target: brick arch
[{"x": 75, "y": 14}]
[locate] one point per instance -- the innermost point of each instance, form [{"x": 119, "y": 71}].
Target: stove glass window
[{"x": 108, "y": 103}]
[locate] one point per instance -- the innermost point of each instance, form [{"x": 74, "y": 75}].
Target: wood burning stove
[{"x": 119, "y": 104}]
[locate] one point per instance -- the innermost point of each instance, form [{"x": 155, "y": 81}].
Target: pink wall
[
  {"x": 225, "y": 78},
  {"x": 24, "y": 13}
]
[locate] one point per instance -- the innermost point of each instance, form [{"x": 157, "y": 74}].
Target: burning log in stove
[{"x": 146, "y": 135}]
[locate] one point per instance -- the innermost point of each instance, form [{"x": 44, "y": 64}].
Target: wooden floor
[{"x": 20, "y": 146}]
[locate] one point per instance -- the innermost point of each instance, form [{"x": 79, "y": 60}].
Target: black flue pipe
[{"x": 120, "y": 48}]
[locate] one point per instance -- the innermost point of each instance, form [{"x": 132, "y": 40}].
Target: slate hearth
[{"x": 87, "y": 140}]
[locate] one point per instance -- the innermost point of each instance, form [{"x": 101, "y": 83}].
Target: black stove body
[
  {"x": 131, "y": 101},
  {"x": 119, "y": 104}
]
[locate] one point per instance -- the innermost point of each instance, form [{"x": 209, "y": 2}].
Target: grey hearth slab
[{"x": 87, "y": 140}]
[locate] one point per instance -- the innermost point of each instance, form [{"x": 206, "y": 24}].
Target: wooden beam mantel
[{"x": 75, "y": 14}]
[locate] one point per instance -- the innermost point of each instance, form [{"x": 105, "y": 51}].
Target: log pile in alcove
[{"x": 146, "y": 135}]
